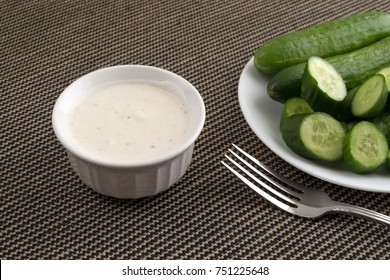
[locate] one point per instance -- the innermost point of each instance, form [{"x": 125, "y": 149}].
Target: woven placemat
[{"x": 48, "y": 213}]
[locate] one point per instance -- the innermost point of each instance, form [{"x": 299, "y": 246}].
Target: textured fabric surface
[{"x": 48, "y": 213}]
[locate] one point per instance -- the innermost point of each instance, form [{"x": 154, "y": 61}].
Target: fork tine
[
  {"x": 275, "y": 192},
  {"x": 265, "y": 195},
  {"x": 271, "y": 171},
  {"x": 264, "y": 176}
]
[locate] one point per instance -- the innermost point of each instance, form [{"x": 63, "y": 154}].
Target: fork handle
[{"x": 353, "y": 209}]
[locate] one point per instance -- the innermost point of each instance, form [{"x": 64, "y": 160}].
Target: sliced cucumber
[
  {"x": 314, "y": 135},
  {"x": 370, "y": 98},
  {"x": 293, "y": 106},
  {"x": 386, "y": 73},
  {"x": 322, "y": 86},
  {"x": 365, "y": 148}
]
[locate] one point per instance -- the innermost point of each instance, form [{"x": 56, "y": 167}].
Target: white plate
[{"x": 263, "y": 115}]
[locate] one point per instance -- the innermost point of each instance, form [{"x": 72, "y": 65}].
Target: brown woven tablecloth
[{"x": 48, "y": 213}]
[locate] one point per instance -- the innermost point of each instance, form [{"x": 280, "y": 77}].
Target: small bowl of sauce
[{"x": 129, "y": 130}]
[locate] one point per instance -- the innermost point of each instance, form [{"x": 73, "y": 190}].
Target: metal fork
[{"x": 289, "y": 195}]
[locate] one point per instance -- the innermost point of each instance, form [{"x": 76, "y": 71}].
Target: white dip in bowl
[{"x": 129, "y": 130}]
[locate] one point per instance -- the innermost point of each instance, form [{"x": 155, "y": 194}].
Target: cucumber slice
[
  {"x": 365, "y": 148},
  {"x": 314, "y": 135},
  {"x": 370, "y": 98},
  {"x": 322, "y": 86},
  {"x": 386, "y": 73},
  {"x": 293, "y": 106}
]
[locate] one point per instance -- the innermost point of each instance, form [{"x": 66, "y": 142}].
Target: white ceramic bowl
[{"x": 129, "y": 180}]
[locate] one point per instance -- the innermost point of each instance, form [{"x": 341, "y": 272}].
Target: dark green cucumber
[
  {"x": 345, "y": 113},
  {"x": 382, "y": 122},
  {"x": 355, "y": 67},
  {"x": 325, "y": 39},
  {"x": 371, "y": 97},
  {"x": 314, "y": 135},
  {"x": 293, "y": 106},
  {"x": 365, "y": 148},
  {"x": 348, "y": 125},
  {"x": 322, "y": 86},
  {"x": 388, "y": 161}
]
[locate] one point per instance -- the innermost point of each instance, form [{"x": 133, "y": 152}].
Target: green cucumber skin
[
  {"x": 382, "y": 122},
  {"x": 324, "y": 40},
  {"x": 348, "y": 126},
  {"x": 354, "y": 67},
  {"x": 291, "y": 135},
  {"x": 386, "y": 73},
  {"x": 293, "y": 106},
  {"x": 388, "y": 162},
  {"x": 345, "y": 113}
]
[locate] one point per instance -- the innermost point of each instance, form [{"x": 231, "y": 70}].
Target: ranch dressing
[{"x": 129, "y": 121}]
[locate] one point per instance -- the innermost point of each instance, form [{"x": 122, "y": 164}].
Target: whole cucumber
[
  {"x": 354, "y": 67},
  {"x": 324, "y": 40}
]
